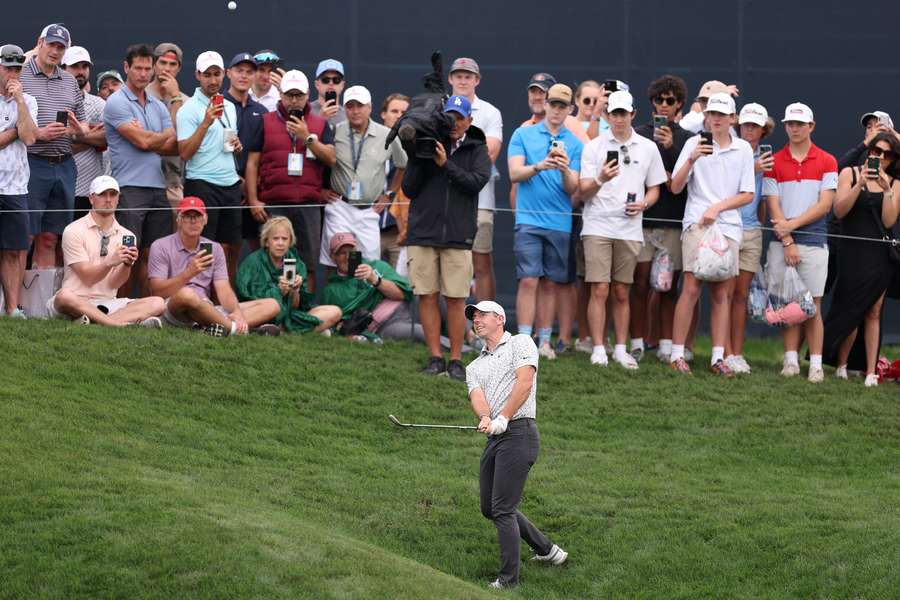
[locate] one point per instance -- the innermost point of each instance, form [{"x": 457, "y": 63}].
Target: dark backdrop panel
[{"x": 839, "y": 57}]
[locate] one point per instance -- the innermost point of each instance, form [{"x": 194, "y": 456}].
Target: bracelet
[{"x": 790, "y": 243}]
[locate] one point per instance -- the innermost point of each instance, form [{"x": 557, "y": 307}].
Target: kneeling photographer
[{"x": 443, "y": 180}]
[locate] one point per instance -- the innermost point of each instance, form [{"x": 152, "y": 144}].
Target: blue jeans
[
  {"x": 51, "y": 187},
  {"x": 542, "y": 253}
]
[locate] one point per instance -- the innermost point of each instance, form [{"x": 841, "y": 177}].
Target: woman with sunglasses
[
  {"x": 867, "y": 204},
  {"x": 587, "y": 95}
]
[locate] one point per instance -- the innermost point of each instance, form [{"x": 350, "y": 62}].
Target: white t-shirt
[
  {"x": 604, "y": 214},
  {"x": 14, "y": 171},
  {"x": 713, "y": 178},
  {"x": 487, "y": 118},
  {"x": 269, "y": 99}
]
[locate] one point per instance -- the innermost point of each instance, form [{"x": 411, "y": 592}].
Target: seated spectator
[
  {"x": 374, "y": 287},
  {"x": 98, "y": 254},
  {"x": 187, "y": 275},
  {"x": 262, "y": 275}
]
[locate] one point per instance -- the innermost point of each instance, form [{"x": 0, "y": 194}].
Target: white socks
[
  {"x": 815, "y": 361},
  {"x": 619, "y": 350},
  {"x": 600, "y": 350},
  {"x": 790, "y": 358},
  {"x": 665, "y": 346},
  {"x": 718, "y": 353},
  {"x": 677, "y": 352},
  {"x": 637, "y": 344},
  {"x": 233, "y": 328}
]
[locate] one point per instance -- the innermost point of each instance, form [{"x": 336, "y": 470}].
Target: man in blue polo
[
  {"x": 139, "y": 132},
  {"x": 544, "y": 160}
]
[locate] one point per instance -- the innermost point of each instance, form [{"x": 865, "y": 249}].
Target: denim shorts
[{"x": 542, "y": 253}]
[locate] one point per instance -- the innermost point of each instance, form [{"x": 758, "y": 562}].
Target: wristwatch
[
  {"x": 176, "y": 99},
  {"x": 379, "y": 280},
  {"x": 311, "y": 138}
]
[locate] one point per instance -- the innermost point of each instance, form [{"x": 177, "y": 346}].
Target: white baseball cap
[
  {"x": 295, "y": 80},
  {"x": 798, "y": 112},
  {"x": 754, "y": 113},
  {"x": 620, "y": 100},
  {"x": 102, "y": 183},
  {"x": 485, "y": 306},
  {"x": 75, "y": 55},
  {"x": 357, "y": 93},
  {"x": 208, "y": 59},
  {"x": 878, "y": 114},
  {"x": 721, "y": 103}
]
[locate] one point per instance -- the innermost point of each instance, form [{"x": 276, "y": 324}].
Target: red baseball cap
[
  {"x": 344, "y": 238},
  {"x": 192, "y": 203}
]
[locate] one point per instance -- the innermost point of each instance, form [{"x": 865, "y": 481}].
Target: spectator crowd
[{"x": 149, "y": 195}]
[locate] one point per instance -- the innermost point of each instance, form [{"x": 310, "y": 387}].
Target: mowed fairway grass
[{"x": 164, "y": 464}]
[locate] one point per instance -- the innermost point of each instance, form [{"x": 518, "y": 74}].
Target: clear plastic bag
[
  {"x": 790, "y": 301},
  {"x": 662, "y": 270},
  {"x": 714, "y": 260},
  {"x": 758, "y": 298}
]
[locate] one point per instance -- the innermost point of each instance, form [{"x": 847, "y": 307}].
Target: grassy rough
[{"x": 165, "y": 464}]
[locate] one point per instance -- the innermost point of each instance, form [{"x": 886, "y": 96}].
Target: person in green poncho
[
  {"x": 375, "y": 287},
  {"x": 261, "y": 275}
]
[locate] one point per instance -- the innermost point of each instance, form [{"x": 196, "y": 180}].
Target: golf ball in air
[{"x": 232, "y": 5}]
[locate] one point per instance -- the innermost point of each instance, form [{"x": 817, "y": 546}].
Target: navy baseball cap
[
  {"x": 542, "y": 80},
  {"x": 242, "y": 57},
  {"x": 57, "y": 33},
  {"x": 459, "y": 104}
]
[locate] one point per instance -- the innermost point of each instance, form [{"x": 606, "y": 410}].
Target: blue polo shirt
[
  {"x": 544, "y": 191},
  {"x": 130, "y": 166},
  {"x": 250, "y": 128},
  {"x": 210, "y": 163}
]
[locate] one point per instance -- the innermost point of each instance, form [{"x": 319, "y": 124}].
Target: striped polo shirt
[
  {"x": 798, "y": 185},
  {"x": 89, "y": 163},
  {"x": 58, "y": 92}
]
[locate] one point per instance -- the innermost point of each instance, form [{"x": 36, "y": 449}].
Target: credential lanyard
[{"x": 356, "y": 152}]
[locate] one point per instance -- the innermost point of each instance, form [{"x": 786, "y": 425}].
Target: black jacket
[
  {"x": 443, "y": 206},
  {"x": 669, "y": 206}
]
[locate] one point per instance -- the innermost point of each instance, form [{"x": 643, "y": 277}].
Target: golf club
[{"x": 397, "y": 422}]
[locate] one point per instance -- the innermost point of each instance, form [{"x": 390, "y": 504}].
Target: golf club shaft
[{"x": 397, "y": 422}]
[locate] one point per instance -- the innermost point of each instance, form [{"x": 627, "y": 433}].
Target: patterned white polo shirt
[
  {"x": 495, "y": 373},
  {"x": 14, "y": 171}
]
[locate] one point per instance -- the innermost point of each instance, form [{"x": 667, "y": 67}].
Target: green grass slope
[{"x": 164, "y": 464}]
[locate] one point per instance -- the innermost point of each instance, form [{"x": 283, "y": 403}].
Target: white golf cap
[
  {"x": 102, "y": 183},
  {"x": 620, "y": 100},
  {"x": 295, "y": 81},
  {"x": 878, "y": 114},
  {"x": 754, "y": 113},
  {"x": 485, "y": 306},
  {"x": 721, "y": 103},
  {"x": 75, "y": 55},
  {"x": 798, "y": 112},
  {"x": 208, "y": 59},
  {"x": 357, "y": 93}
]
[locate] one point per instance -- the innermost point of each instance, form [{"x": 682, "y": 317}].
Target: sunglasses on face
[
  {"x": 670, "y": 101},
  {"x": 876, "y": 151},
  {"x": 335, "y": 80},
  {"x": 19, "y": 58},
  {"x": 589, "y": 101}
]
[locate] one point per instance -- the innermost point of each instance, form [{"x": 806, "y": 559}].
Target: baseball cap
[
  {"x": 458, "y": 104},
  {"x": 357, "y": 93},
  {"x": 708, "y": 89},
  {"x": 878, "y": 114},
  {"x": 266, "y": 57},
  {"x": 559, "y": 92},
  {"x": 621, "y": 86},
  {"x": 295, "y": 80},
  {"x": 208, "y": 59},
  {"x": 721, "y": 102},
  {"x": 242, "y": 57},
  {"x": 329, "y": 64},
  {"x": 190, "y": 203},
  {"x": 754, "y": 113},
  {"x": 465, "y": 64},
  {"x": 798, "y": 112},
  {"x": 11, "y": 56},
  {"x": 542, "y": 80},
  {"x": 343, "y": 238},
  {"x": 113, "y": 74},
  {"x": 620, "y": 100},
  {"x": 102, "y": 183},
  {"x": 75, "y": 55},
  {"x": 485, "y": 306},
  {"x": 166, "y": 48},
  {"x": 57, "y": 33}
]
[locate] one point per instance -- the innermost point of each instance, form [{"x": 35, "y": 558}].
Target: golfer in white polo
[{"x": 502, "y": 384}]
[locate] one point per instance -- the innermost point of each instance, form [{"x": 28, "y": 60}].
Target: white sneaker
[
  {"x": 871, "y": 380},
  {"x": 664, "y": 357},
  {"x": 816, "y": 375},
  {"x": 584, "y": 345},
  {"x": 790, "y": 370},
  {"x": 18, "y": 313},
  {"x": 547, "y": 352},
  {"x": 738, "y": 364},
  {"x": 152, "y": 323},
  {"x": 556, "y": 556},
  {"x": 496, "y": 585},
  {"x": 627, "y": 361},
  {"x": 688, "y": 355},
  {"x": 599, "y": 359},
  {"x": 841, "y": 372},
  {"x": 83, "y": 320}
]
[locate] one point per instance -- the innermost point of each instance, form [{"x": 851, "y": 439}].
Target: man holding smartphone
[
  {"x": 330, "y": 84},
  {"x": 799, "y": 192}
]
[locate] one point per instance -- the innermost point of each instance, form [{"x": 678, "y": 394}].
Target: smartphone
[
  {"x": 632, "y": 197},
  {"x": 611, "y": 85},
  {"x": 558, "y": 145},
  {"x": 354, "y": 262},
  {"x": 296, "y": 113},
  {"x": 290, "y": 268},
  {"x": 218, "y": 100},
  {"x": 612, "y": 156},
  {"x": 425, "y": 147},
  {"x": 62, "y": 117},
  {"x": 128, "y": 241},
  {"x": 660, "y": 121},
  {"x": 706, "y": 138},
  {"x": 873, "y": 163},
  {"x": 765, "y": 149},
  {"x": 207, "y": 247},
  {"x": 330, "y": 95}
]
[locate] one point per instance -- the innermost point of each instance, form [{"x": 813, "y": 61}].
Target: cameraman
[{"x": 442, "y": 225}]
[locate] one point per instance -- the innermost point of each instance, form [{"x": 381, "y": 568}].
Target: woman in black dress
[{"x": 867, "y": 205}]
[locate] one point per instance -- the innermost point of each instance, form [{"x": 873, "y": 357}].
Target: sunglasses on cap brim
[{"x": 16, "y": 58}]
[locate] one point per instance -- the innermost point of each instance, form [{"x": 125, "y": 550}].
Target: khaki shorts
[
  {"x": 606, "y": 259},
  {"x": 484, "y": 236},
  {"x": 445, "y": 270},
  {"x": 813, "y": 267},
  {"x": 669, "y": 237},
  {"x": 750, "y": 250},
  {"x": 690, "y": 240}
]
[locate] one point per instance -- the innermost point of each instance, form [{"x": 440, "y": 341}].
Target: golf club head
[{"x": 395, "y": 421}]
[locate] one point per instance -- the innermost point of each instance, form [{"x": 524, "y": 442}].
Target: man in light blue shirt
[
  {"x": 208, "y": 143},
  {"x": 544, "y": 159}
]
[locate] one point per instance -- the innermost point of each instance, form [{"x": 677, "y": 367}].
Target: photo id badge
[
  {"x": 354, "y": 192},
  {"x": 295, "y": 164}
]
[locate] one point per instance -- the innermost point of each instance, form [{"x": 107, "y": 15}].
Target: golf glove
[{"x": 498, "y": 425}]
